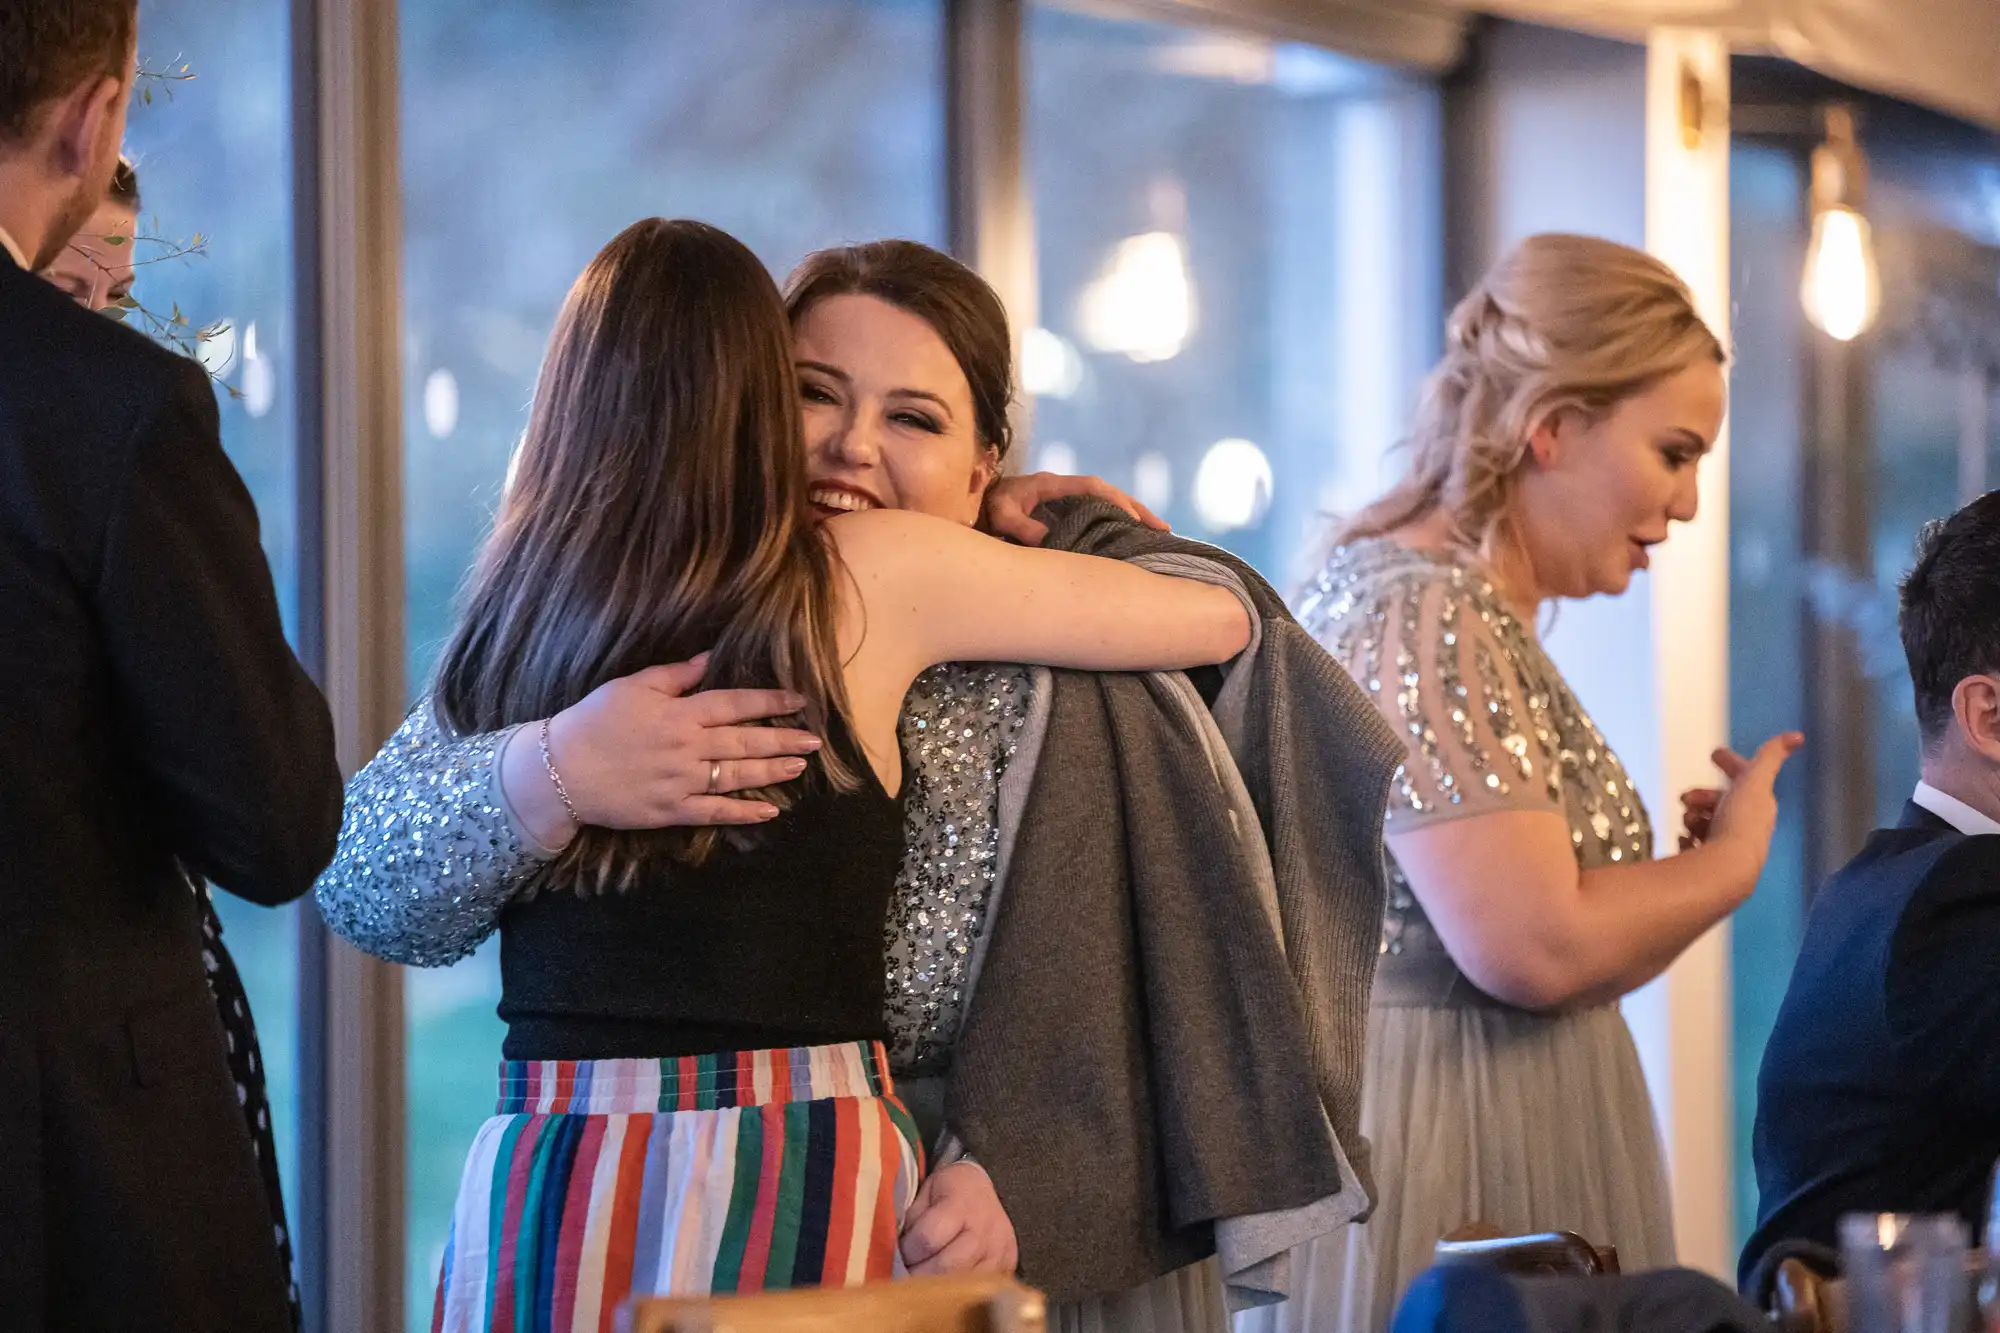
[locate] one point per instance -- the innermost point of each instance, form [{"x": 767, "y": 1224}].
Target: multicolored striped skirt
[{"x": 744, "y": 1171}]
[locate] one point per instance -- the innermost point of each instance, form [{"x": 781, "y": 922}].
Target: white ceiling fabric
[{"x": 1940, "y": 53}]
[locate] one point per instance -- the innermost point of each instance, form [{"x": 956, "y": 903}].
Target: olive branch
[
  {"x": 145, "y": 79},
  {"x": 173, "y": 329}
]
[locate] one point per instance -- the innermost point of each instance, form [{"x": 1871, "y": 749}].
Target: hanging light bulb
[{"x": 1841, "y": 289}]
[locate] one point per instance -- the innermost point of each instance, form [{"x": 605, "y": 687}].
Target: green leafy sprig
[
  {"x": 172, "y": 328},
  {"x": 146, "y": 80}
]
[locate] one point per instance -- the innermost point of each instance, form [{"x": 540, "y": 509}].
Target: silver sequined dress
[
  {"x": 429, "y": 856},
  {"x": 1477, "y": 1111}
]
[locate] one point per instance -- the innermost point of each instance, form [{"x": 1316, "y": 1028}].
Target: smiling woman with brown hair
[
  {"x": 901, "y": 307},
  {"x": 696, "y": 1097}
]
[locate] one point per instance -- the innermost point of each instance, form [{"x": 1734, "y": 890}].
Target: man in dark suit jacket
[
  {"x": 1880, "y": 1090},
  {"x": 151, "y": 717}
]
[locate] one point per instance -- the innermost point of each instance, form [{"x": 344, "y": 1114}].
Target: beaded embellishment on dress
[
  {"x": 1489, "y": 720},
  {"x": 959, "y": 727}
]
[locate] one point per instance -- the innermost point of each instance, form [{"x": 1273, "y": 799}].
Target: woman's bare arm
[
  {"x": 1529, "y": 927},
  {"x": 934, "y": 591}
]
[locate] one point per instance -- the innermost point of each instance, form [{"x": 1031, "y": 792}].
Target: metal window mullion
[
  {"x": 1840, "y": 698},
  {"x": 347, "y": 233},
  {"x": 990, "y": 209}
]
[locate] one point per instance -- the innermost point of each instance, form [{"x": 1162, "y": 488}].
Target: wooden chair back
[
  {"x": 1548, "y": 1253},
  {"x": 976, "y": 1304}
]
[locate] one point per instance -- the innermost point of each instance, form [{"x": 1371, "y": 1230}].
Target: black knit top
[{"x": 778, "y": 946}]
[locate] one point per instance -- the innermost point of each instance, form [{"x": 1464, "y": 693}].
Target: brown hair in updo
[
  {"x": 957, "y": 303},
  {"x": 1560, "y": 323}
]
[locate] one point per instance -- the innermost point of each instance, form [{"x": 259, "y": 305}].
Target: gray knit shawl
[{"x": 1140, "y": 1057}]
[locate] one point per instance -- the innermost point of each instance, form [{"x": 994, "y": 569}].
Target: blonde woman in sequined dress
[{"x": 1559, "y": 439}]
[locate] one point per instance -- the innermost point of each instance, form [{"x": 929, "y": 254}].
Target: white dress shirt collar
[
  {"x": 13, "y": 248},
  {"x": 1954, "y": 811}
]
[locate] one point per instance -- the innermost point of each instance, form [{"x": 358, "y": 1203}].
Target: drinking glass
[{"x": 1905, "y": 1274}]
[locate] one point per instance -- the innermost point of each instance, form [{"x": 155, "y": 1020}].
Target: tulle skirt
[
  {"x": 1487, "y": 1114},
  {"x": 1188, "y": 1300}
]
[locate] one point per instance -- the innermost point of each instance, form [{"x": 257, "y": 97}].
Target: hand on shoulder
[
  {"x": 1011, "y": 502},
  {"x": 653, "y": 750}
]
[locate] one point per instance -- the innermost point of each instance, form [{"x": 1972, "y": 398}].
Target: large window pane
[
  {"x": 533, "y": 132},
  {"x": 1930, "y": 385},
  {"x": 1813, "y": 637},
  {"x": 1767, "y": 632},
  {"x": 213, "y": 161},
  {"x": 1238, "y": 260}
]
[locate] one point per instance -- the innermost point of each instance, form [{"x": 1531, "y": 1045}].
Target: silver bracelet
[{"x": 562, "y": 792}]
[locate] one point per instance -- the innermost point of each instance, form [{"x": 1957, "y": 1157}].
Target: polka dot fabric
[{"x": 246, "y": 1067}]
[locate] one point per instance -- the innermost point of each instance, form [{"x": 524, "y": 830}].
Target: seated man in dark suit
[
  {"x": 152, "y": 719},
  {"x": 1880, "y": 1090}
]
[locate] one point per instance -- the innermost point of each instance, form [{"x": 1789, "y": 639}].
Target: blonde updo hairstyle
[{"x": 1561, "y": 323}]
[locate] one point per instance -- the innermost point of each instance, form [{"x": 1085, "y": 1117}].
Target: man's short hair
[
  {"x": 1950, "y": 614},
  {"x": 48, "y": 47}
]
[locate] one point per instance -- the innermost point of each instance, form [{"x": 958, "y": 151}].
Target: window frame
[{"x": 347, "y": 209}]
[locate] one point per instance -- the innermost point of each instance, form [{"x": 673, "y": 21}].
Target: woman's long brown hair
[{"x": 658, "y": 508}]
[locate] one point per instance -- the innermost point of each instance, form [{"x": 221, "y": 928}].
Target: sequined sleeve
[
  {"x": 429, "y": 853},
  {"x": 1442, "y": 661}
]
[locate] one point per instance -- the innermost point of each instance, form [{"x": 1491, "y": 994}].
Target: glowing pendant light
[{"x": 1841, "y": 289}]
